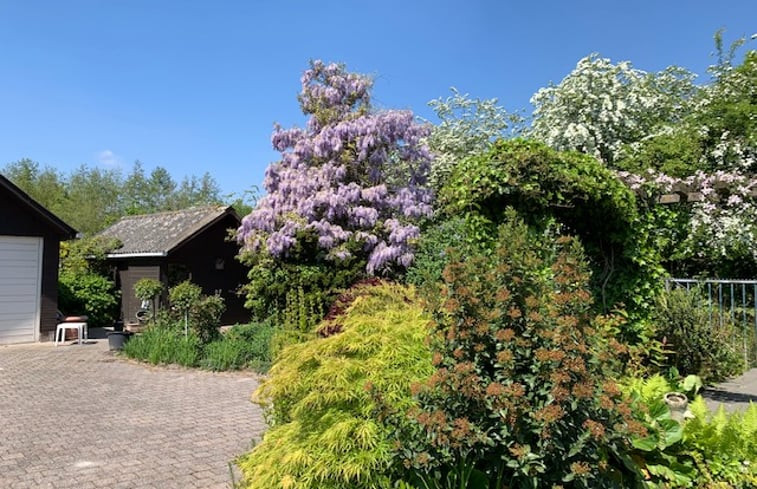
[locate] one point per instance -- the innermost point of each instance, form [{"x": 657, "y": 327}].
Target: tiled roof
[{"x": 158, "y": 234}]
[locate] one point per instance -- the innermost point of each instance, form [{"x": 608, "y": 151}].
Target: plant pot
[
  {"x": 117, "y": 339},
  {"x": 677, "y": 402},
  {"x": 134, "y": 328}
]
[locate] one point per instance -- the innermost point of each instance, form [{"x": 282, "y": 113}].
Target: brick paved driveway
[{"x": 78, "y": 417}]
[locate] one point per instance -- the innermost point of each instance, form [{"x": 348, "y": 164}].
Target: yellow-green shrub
[{"x": 324, "y": 431}]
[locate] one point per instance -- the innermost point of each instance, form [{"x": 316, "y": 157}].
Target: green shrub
[
  {"x": 297, "y": 321},
  {"x": 196, "y": 312},
  {"x": 164, "y": 345},
  {"x": 306, "y": 267},
  {"x": 431, "y": 255},
  {"x": 149, "y": 289},
  {"x": 577, "y": 191},
  {"x": 700, "y": 347},
  {"x": 182, "y": 297},
  {"x": 521, "y": 396},
  {"x": 243, "y": 346},
  {"x": 723, "y": 446},
  {"x": 324, "y": 431},
  {"x": 83, "y": 284},
  {"x": 205, "y": 317},
  {"x": 90, "y": 294}
]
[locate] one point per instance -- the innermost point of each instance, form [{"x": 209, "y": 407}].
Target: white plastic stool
[{"x": 81, "y": 330}]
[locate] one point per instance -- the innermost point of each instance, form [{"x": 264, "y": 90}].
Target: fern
[
  {"x": 727, "y": 443},
  {"x": 721, "y": 447}
]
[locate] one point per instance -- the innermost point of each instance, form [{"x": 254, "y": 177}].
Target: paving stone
[
  {"x": 735, "y": 394},
  {"x": 79, "y": 416}
]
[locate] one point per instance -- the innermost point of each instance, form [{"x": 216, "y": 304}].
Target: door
[{"x": 20, "y": 288}]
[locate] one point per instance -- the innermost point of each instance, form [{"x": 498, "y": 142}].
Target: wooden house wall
[
  {"x": 19, "y": 220},
  {"x": 202, "y": 254},
  {"x": 129, "y": 272}
]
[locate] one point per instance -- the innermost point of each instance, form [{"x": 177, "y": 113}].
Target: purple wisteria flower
[{"x": 353, "y": 176}]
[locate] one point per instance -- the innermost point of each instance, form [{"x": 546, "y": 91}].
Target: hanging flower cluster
[{"x": 354, "y": 177}]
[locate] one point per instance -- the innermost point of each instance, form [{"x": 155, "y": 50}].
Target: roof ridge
[{"x": 177, "y": 211}]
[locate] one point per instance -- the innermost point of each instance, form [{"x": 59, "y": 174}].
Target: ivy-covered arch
[{"x": 578, "y": 192}]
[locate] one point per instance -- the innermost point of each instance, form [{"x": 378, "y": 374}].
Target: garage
[
  {"x": 20, "y": 288},
  {"x": 30, "y": 237}
]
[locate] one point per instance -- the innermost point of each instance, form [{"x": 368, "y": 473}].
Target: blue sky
[{"x": 197, "y": 86}]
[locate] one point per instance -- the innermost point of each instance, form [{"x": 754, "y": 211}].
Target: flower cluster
[{"x": 354, "y": 178}]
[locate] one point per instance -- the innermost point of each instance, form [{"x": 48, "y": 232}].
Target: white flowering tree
[
  {"x": 600, "y": 106},
  {"x": 467, "y": 126},
  {"x": 725, "y": 119}
]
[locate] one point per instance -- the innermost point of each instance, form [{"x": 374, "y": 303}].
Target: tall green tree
[
  {"x": 45, "y": 185},
  {"x": 91, "y": 198}
]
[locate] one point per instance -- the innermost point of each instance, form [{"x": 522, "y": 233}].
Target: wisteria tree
[{"x": 345, "y": 196}]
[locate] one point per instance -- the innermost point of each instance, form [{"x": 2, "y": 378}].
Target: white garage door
[{"x": 20, "y": 288}]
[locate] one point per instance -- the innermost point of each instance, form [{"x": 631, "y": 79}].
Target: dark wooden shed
[
  {"x": 179, "y": 245},
  {"x": 30, "y": 237}
]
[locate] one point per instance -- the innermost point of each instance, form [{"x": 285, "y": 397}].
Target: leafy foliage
[
  {"x": 90, "y": 199},
  {"x": 576, "y": 191},
  {"x": 202, "y": 314},
  {"x": 466, "y": 127},
  {"x": 699, "y": 347},
  {"x": 724, "y": 115},
  {"x": 89, "y": 294},
  {"x": 297, "y": 321},
  {"x": 521, "y": 394},
  {"x": 319, "y": 397},
  {"x": 432, "y": 253},
  {"x": 273, "y": 281},
  {"x": 724, "y": 446},
  {"x": 163, "y": 344},
  {"x": 205, "y": 317},
  {"x": 83, "y": 283},
  {"x": 715, "y": 236},
  {"x": 707, "y": 451},
  {"x": 242, "y": 346},
  {"x": 184, "y": 295},
  {"x": 149, "y": 289},
  {"x": 712, "y": 151}
]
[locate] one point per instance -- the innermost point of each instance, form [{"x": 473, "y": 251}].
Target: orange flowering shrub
[{"x": 521, "y": 395}]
